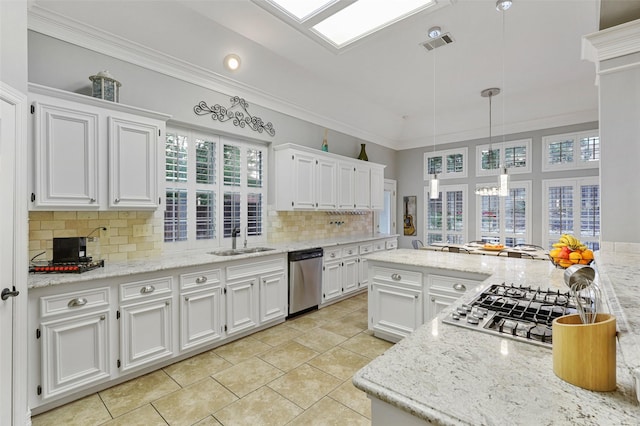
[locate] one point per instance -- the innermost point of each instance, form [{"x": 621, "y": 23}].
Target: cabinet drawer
[
  {"x": 73, "y": 302},
  {"x": 378, "y": 246},
  {"x": 391, "y": 244},
  {"x": 399, "y": 276},
  {"x": 148, "y": 288},
  {"x": 365, "y": 248},
  {"x": 250, "y": 268},
  {"x": 349, "y": 251},
  {"x": 198, "y": 280},
  {"x": 450, "y": 285},
  {"x": 332, "y": 254}
]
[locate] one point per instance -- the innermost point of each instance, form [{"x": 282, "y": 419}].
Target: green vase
[{"x": 363, "y": 153}]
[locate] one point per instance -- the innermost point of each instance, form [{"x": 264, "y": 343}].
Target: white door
[
  {"x": 242, "y": 308},
  {"x": 385, "y": 219},
  {"x": 331, "y": 280},
  {"x": 12, "y": 369},
  {"x": 273, "y": 297}
]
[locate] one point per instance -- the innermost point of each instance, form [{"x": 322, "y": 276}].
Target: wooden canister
[{"x": 585, "y": 354}]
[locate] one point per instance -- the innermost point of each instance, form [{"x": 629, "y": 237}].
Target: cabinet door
[
  {"x": 437, "y": 302},
  {"x": 326, "y": 184},
  {"x": 133, "y": 164},
  {"x": 241, "y": 305},
  {"x": 331, "y": 280},
  {"x": 350, "y": 274},
  {"x": 75, "y": 353},
  {"x": 66, "y": 157},
  {"x": 395, "y": 311},
  {"x": 346, "y": 186},
  {"x": 145, "y": 333},
  {"x": 377, "y": 188},
  {"x": 363, "y": 270},
  {"x": 273, "y": 297},
  {"x": 304, "y": 184},
  {"x": 362, "y": 187},
  {"x": 201, "y": 315}
]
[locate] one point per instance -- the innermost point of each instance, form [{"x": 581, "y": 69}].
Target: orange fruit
[
  {"x": 565, "y": 263},
  {"x": 587, "y": 254},
  {"x": 575, "y": 257},
  {"x": 554, "y": 252}
]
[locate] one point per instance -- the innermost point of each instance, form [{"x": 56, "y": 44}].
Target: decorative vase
[
  {"x": 325, "y": 144},
  {"x": 363, "y": 153}
]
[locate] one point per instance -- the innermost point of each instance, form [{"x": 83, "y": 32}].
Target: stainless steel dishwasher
[{"x": 305, "y": 280}]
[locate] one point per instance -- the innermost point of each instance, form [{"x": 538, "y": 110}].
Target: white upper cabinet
[
  {"x": 91, "y": 154},
  {"x": 310, "y": 179}
]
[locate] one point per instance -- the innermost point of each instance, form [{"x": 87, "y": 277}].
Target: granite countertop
[
  {"x": 452, "y": 375},
  {"x": 188, "y": 258}
]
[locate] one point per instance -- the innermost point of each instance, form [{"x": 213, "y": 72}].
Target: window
[
  {"x": 572, "y": 206},
  {"x": 515, "y": 155},
  {"x": 506, "y": 219},
  {"x": 446, "y": 164},
  {"x": 571, "y": 151},
  {"x": 213, "y": 185},
  {"x": 446, "y": 216}
]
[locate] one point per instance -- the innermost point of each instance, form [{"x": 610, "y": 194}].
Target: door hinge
[
  {"x": 324, "y": 296},
  {"x": 225, "y": 292},
  {"x": 117, "y": 314},
  {"x": 33, "y": 197},
  {"x": 159, "y": 200},
  {"x": 225, "y": 327},
  {"x": 158, "y": 132},
  {"x": 37, "y": 333},
  {"x": 118, "y": 363},
  {"x": 39, "y": 390},
  {"x": 323, "y": 268},
  {"x": 33, "y": 111}
]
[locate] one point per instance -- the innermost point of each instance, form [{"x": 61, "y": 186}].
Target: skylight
[
  {"x": 339, "y": 23},
  {"x": 365, "y": 17}
]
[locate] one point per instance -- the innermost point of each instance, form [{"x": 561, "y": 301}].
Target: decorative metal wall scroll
[{"x": 237, "y": 112}]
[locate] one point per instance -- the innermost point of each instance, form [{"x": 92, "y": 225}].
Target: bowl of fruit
[{"x": 570, "y": 251}]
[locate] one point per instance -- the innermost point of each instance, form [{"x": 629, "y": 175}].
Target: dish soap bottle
[{"x": 325, "y": 145}]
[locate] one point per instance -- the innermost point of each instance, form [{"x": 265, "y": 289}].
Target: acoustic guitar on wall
[{"x": 409, "y": 228}]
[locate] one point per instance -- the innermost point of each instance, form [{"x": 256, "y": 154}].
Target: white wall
[{"x": 620, "y": 134}]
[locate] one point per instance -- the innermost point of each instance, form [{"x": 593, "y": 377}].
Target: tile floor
[{"x": 296, "y": 373}]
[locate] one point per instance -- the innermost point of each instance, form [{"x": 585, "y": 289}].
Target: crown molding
[
  {"x": 621, "y": 40},
  {"x": 55, "y": 25}
]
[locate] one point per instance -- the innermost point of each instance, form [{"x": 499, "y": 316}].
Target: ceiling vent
[{"x": 443, "y": 40}]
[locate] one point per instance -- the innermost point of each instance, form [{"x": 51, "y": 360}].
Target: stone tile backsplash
[
  {"x": 130, "y": 234},
  {"x": 134, "y": 235}
]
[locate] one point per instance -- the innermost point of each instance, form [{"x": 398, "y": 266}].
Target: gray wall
[
  {"x": 411, "y": 178},
  {"x": 61, "y": 65},
  {"x": 620, "y": 134}
]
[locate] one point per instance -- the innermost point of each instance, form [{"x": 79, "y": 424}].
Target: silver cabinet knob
[
  {"x": 117, "y": 200},
  {"x": 147, "y": 289},
  {"x": 459, "y": 287},
  {"x": 396, "y": 277},
  {"x": 201, "y": 280},
  {"x": 92, "y": 200},
  {"x": 79, "y": 301}
]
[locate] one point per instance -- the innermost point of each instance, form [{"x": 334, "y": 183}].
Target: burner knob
[
  {"x": 462, "y": 311},
  {"x": 473, "y": 320}
]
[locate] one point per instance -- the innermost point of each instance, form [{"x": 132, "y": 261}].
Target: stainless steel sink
[{"x": 236, "y": 252}]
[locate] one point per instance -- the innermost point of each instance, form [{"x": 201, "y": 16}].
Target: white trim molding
[{"x": 621, "y": 40}]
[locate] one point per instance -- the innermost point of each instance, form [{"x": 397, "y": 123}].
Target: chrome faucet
[{"x": 234, "y": 234}]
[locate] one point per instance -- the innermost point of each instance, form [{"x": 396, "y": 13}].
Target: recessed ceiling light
[
  {"x": 503, "y": 5},
  {"x": 231, "y": 62},
  {"x": 434, "y": 32}
]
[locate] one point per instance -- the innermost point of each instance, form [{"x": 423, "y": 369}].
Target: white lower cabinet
[
  {"x": 145, "y": 322},
  {"x": 331, "y": 274},
  {"x": 350, "y": 270},
  {"x": 75, "y": 352},
  {"x": 395, "y": 302},
  {"x": 443, "y": 291},
  {"x": 273, "y": 297},
  {"x": 242, "y": 314},
  {"x": 72, "y": 341},
  {"x": 401, "y": 300},
  {"x": 201, "y": 308}
]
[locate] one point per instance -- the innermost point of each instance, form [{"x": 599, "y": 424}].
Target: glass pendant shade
[
  {"x": 503, "y": 183},
  {"x": 434, "y": 190}
]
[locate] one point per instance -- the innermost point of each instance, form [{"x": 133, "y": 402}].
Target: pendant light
[
  {"x": 489, "y": 189},
  {"x": 434, "y": 190},
  {"x": 503, "y": 180}
]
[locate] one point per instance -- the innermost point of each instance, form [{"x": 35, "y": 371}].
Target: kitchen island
[{"x": 445, "y": 374}]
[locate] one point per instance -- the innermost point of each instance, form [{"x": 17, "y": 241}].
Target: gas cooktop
[{"x": 517, "y": 312}]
